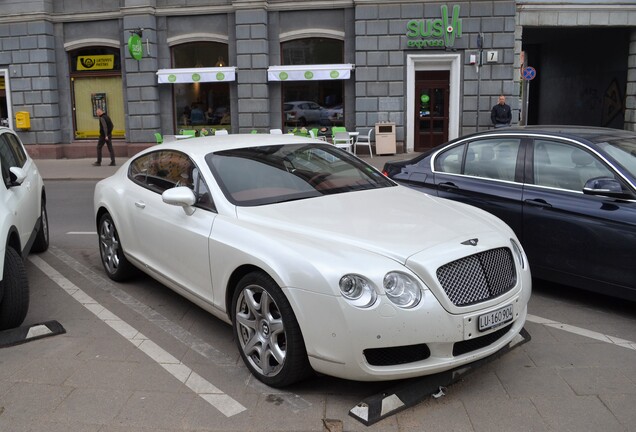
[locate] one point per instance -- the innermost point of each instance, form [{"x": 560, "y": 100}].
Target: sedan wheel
[
  {"x": 267, "y": 333},
  {"x": 14, "y": 291},
  {"x": 113, "y": 259}
]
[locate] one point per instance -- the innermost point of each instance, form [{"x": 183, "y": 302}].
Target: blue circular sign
[{"x": 529, "y": 73}]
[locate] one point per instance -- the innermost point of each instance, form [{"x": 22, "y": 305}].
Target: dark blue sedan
[{"x": 568, "y": 192}]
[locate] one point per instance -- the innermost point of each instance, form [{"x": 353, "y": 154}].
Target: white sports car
[{"x": 317, "y": 260}]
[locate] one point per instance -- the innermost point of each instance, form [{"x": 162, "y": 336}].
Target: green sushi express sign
[{"x": 435, "y": 33}]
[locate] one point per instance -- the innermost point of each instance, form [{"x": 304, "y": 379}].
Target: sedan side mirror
[
  {"x": 605, "y": 186},
  {"x": 17, "y": 175},
  {"x": 180, "y": 196}
]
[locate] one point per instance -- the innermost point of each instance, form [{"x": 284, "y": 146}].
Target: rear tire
[
  {"x": 117, "y": 267},
  {"x": 41, "y": 242},
  {"x": 14, "y": 301}
]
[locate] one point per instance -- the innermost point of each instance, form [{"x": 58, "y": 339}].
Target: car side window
[
  {"x": 451, "y": 160},
  {"x": 565, "y": 166},
  {"x": 492, "y": 158},
  {"x": 7, "y": 159},
  {"x": 17, "y": 149},
  {"x": 166, "y": 169}
]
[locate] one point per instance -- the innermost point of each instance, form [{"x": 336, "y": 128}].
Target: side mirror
[
  {"x": 605, "y": 186},
  {"x": 17, "y": 176},
  {"x": 180, "y": 196}
]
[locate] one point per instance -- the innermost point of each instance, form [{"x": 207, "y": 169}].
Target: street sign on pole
[{"x": 529, "y": 73}]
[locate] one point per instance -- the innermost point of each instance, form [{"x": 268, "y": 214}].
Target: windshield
[
  {"x": 273, "y": 174},
  {"x": 623, "y": 151}
]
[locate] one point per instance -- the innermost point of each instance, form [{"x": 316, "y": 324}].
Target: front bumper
[{"x": 337, "y": 334}]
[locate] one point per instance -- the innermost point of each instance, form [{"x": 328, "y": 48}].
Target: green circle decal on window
[
  {"x": 172, "y": 78},
  {"x": 334, "y": 74},
  {"x": 309, "y": 75},
  {"x": 220, "y": 76},
  {"x": 425, "y": 98},
  {"x": 196, "y": 77},
  {"x": 283, "y": 76}
]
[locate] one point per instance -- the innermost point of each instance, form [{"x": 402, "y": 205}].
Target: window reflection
[
  {"x": 203, "y": 106},
  {"x": 313, "y": 104}
]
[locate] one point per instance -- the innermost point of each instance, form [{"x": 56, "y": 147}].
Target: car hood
[{"x": 396, "y": 222}]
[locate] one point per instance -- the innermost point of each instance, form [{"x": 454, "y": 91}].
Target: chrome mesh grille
[{"x": 478, "y": 277}]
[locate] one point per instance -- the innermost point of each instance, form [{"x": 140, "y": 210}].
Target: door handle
[
  {"x": 140, "y": 204},
  {"x": 538, "y": 203},
  {"x": 448, "y": 186}
]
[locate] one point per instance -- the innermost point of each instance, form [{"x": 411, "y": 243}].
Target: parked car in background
[
  {"x": 332, "y": 116},
  {"x": 303, "y": 113},
  {"x": 281, "y": 237},
  {"x": 568, "y": 192},
  {"x": 23, "y": 226}
]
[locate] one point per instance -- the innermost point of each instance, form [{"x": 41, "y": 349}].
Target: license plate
[{"x": 495, "y": 318}]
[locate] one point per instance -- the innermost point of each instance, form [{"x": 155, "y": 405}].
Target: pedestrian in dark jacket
[
  {"x": 501, "y": 115},
  {"x": 105, "y": 137}
]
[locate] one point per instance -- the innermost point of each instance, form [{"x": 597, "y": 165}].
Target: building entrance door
[
  {"x": 431, "y": 109},
  {"x": 90, "y": 93},
  {"x": 6, "y": 115}
]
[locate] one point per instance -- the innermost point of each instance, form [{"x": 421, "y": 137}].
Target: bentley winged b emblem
[{"x": 471, "y": 242}]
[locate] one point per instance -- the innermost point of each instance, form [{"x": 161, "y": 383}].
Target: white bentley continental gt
[{"x": 318, "y": 261}]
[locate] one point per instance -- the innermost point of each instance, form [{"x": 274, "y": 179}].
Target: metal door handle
[
  {"x": 538, "y": 203},
  {"x": 140, "y": 204},
  {"x": 448, "y": 185}
]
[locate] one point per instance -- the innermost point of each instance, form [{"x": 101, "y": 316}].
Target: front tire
[
  {"x": 41, "y": 242},
  {"x": 14, "y": 298},
  {"x": 267, "y": 333},
  {"x": 117, "y": 267}
]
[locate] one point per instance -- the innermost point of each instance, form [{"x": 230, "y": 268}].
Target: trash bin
[{"x": 385, "y": 138}]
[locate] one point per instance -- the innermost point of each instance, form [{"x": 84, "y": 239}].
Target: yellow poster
[{"x": 95, "y": 62}]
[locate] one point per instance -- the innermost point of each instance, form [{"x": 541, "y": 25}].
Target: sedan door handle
[
  {"x": 448, "y": 186},
  {"x": 537, "y": 203},
  {"x": 140, "y": 204}
]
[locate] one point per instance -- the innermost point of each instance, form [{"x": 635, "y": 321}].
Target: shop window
[
  {"x": 203, "y": 106},
  {"x": 313, "y": 104}
]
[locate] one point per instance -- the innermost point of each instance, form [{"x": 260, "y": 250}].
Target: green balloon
[{"x": 425, "y": 98}]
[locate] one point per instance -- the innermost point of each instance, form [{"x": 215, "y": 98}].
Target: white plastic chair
[
  {"x": 276, "y": 131},
  {"x": 343, "y": 140},
  {"x": 221, "y": 132},
  {"x": 312, "y": 134},
  {"x": 364, "y": 140}
]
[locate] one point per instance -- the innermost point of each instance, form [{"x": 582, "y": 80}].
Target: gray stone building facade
[{"x": 431, "y": 69}]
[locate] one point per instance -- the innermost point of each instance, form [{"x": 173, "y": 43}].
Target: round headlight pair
[{"x": 401, "y": 289}]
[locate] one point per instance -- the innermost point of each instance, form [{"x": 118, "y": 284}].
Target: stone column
[
  {"x": 29, "y": 56},
  {"x": 141, "y": 88},
  {"x": 252, "y": 59}
]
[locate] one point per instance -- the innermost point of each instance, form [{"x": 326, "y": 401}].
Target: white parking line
[
  {"x": 215, "y": 397},
  {"x": 583, "y": 332},
  {"x": 290, "y": 400}
]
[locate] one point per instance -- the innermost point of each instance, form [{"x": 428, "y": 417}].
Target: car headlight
[
  {"x": 402, "y": 290},
  {"x": 518, "y": 253},
  {"x": 357, "y": 290}
]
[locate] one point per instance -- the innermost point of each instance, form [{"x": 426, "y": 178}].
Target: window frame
[{"x": 166, "y": 156}]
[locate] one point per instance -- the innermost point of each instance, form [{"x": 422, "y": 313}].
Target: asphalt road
[{"x": 137, "y": 357}]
